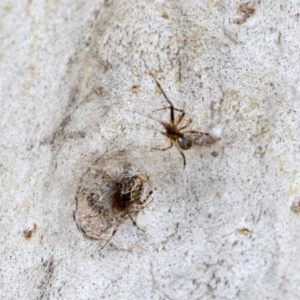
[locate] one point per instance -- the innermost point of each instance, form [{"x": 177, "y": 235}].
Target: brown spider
[{"x": 181, "y": 138}]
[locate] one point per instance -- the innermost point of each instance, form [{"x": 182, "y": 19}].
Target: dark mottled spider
[
  {"x": 106, "y": 199},
  {"x": 173, "y": 131},
  {"x": 127, "y": 201},
  {"x": 129, "y": 190}
]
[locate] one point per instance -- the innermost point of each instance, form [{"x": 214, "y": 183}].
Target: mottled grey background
[{"x": 74, "y": 86}]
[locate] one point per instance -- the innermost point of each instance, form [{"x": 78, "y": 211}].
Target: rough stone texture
[{"x": 75, "y": 86}]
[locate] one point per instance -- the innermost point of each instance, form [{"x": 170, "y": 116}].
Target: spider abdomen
[{"x": 185, "y": 142}]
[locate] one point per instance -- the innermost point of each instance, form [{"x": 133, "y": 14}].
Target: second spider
[{"x": 174, "y": 130}]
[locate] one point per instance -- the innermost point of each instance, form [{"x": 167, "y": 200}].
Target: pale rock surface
[{"x": 75, "y": 86}]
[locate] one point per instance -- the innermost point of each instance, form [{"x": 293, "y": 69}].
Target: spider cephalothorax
[{"x": 129, "y": 190}]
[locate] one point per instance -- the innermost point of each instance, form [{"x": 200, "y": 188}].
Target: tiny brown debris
[
  {"x": 135, "y": 89},
  {"x": 99, "y": 91},
  {"x": 246, "y": 10},
  {"x": 28, "y": 232},
  {"x": 295, "y": 207},
  {"x": 244, "y": 231},
  {"x": 165, "y": 16}
]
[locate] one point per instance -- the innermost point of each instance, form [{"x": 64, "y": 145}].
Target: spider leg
[
  {"x": 164, "y": 149},
  {"x": 145, "y": 202},
  {"x": 172, "y": 114},
  {"x": 182, "y": 154},
  {"x": 195, "y": 132},
  {"x": 172, "y": 118},
  {"x": 108, "y": 240},
  {"x": 163, "y": 92},
  {"x": 180, "y": 118},
  {"x": 184, "y": 159},
  {"x": 187, "y": 125},
  {"x": 168, "y": 107},
  {"x": 135, "y": 223},
  {"x": 136, "y": 209}
]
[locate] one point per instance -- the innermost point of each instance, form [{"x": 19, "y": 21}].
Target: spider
[
  {"x": 176, "y": 133},
  {"x": 127, "y": 200},
  {"x": 106, "y": 198}
]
